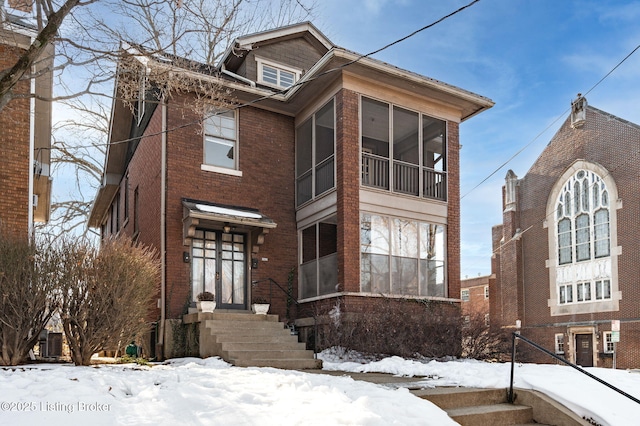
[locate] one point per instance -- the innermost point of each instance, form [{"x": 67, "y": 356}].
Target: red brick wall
[
  {"x": 348, "y": 187},
  {"x": 453, "y": 209},
  {"x": 477, "y": 304},
  {"x": 266, "y": 155},
  {"x": 14, "y": 155},
  {"x": 613, "y": 144}
]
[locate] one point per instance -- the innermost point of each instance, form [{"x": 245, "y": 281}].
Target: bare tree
[
  {"x": 28, "y": 296},
  {"x": 87, "y": 57},
  {"x": 49, "y": 21},
  {"x": 106, "y": 295}
]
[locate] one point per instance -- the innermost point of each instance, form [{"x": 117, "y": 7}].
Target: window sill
[{"x": 208, "y": 168}]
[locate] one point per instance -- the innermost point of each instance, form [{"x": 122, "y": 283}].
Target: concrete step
[
  {"x": 448, "y": 397},
  {"x": 249, "y": 338},
  {"x": 495, "y": 415},
  {"x": 225, "y": 326},
  {"x": 288, "y": 364},
  {"x": 253, "y": 340},
  {"x": 272, "y": 354},
  {"x": 263, "y": 345}
]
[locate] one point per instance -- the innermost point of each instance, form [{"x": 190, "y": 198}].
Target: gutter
[{"x": 224, "y": 70}]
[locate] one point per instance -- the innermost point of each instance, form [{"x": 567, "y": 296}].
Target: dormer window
[{"x": 276, "y": 75}]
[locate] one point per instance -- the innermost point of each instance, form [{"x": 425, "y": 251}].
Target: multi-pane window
[
  {"x": 315, "y": 154},
  {"x": 403, "y": 151},
  {"x": 582, "y": 217},
  {"x": 400, "y": 256},
  {"x": 486, "y": 291},
  {"x": 319, "y": 259},
  {"x": 277, "y": 75},
  {"x": 464, "y": 295},
  {"x": 608, "y": 342},
  {"x": 220, "y": 139},
  {"x": 559, "y": 343}
]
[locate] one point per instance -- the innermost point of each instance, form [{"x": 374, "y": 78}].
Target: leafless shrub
[
  {"x": 405, "y": 328},
  {"x": 27, "y": 295},
  {"x": 484, "y": 342},
  {"x": 106, "y": 295}
]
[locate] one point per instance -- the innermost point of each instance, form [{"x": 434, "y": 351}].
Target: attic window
[{"x": 276, "y": 75}]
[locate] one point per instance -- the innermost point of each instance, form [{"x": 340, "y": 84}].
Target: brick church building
[{"x": 566, "y": 259}]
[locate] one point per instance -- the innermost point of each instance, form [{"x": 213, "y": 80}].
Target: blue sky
[{"x": 531, "y": 57}]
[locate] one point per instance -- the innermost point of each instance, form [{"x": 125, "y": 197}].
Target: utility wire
[
  {"x": 562, "y": 115},
  {"x": 303, "y": 82}
]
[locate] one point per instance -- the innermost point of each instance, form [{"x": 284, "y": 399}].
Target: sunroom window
[
  {"x": 402, "y": 150},
  {"x": 319, "y": 259},
  {"x": 315, "y": 153},
  {"x": 401, "y": 257}
]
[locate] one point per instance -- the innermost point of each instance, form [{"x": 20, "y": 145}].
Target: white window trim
[
  {"x": 235, "y": 171},
  {"x": 486, "y": 291},
  {"x": 557, "y": 347},
  {"x": 261, "y": 62},
  {"x": 223, "y": 170},
  {"x": 606, "y": 334},
  {"x": 468, "y": 297}
]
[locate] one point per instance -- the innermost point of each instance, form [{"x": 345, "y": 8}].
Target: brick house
[
  {"x": 333, "y": 175},
  {"x": 25, "y": 139},
  {"x": 474, "y": 293},
  {"x": 566, "y": 255}
]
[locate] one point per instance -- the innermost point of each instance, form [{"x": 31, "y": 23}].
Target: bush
[
  {"x": 107, "y": 295},
  {"x": 405, "y": 328},
  {"x": 28, "y": 296},
  {"x": 483, "y": 342}
]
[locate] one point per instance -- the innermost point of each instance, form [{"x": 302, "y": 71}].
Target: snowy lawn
[{"x": 201, "y": 392}]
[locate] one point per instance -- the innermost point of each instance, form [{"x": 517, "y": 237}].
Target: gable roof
[{"x": 234, "y": 53}]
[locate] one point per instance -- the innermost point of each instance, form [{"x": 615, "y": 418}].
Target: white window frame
[
  {"x": 279, "y": 69},
  {"x": 464, "y": 295},
  {"x": 486, "y": 291},
  {"x": 236, "y": 146},
  {"x": 559, "y": 343},
  {"x": 606, "y": 341}
]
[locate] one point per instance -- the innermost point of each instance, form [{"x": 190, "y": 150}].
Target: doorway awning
[{"x": 202, "y": 214}]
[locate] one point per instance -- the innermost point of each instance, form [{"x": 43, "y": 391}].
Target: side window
[
  {"x": 220, "y": 140},
  {"x": 464, "y": 295}
]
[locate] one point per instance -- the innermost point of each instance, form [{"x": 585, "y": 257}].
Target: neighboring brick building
[
  {"x": 25, "y": 138},
  {"x": 338, "y": 179},
  {"x": 474, "y": 293},
  {"x": 567, "y": 257}
]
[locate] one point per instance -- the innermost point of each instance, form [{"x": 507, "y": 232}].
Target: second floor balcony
[{"x": 406, "y": 178}]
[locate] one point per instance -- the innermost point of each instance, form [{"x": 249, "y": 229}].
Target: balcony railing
[
  {"x": 435, "y": 184},
  {"x": 406, "y": 177},
  {"x": 375, "y": 171}
]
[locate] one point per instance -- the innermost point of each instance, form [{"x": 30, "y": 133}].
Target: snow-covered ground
[{"x": 194, "y": 391}]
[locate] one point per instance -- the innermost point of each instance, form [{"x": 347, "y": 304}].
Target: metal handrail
[
  {"x": 298, "y": 305},
  {"x": 517, "y": 335}
]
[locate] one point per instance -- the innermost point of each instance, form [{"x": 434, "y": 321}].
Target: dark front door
[
  {"x": 584, "y": 350},
  {"x": 218, "y": 265}
]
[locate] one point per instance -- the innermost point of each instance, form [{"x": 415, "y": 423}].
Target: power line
[
  {"x": 562, "y": 115},
  {"x": 307, "y": 81}
]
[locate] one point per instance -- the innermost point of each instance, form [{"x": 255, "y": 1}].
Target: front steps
[
  {"x": 250, "y": 340},
  {"x": 482, "y": 407}
]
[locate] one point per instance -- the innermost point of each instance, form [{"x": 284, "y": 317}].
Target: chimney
[{"x": 578, "y": 111}]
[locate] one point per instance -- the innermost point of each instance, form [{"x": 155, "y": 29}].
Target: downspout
[
  {"x": 31, "y": 168},
  {"x": 163, "y": 203}
]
